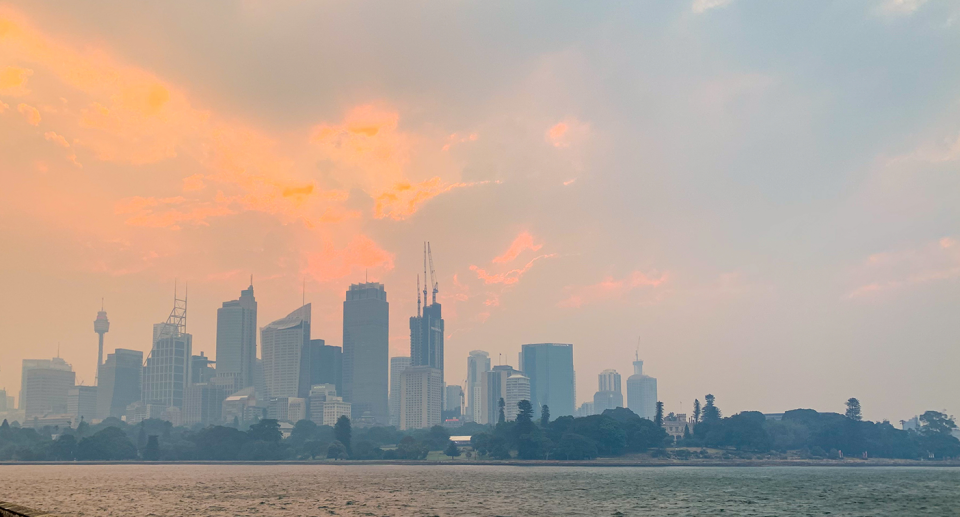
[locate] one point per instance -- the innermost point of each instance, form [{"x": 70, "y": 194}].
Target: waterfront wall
[{"x": 15, "y": 510}]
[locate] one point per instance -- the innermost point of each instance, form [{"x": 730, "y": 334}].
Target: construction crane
[
  {"x": 424, "y": 273},
  {"x": 418, "y": 295},
  {"x": 436, "y": 285}
]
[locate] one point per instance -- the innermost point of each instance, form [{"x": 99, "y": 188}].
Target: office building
[
  {"x": 397, "y": 365},
  {"x": 585, "y": 409},
  {"x": 325, "y": 406},
  {"x": 283, "y": 344},
  {"x": 609, "y": 381},
  {"x": 45, "y": 384},
  {"x": 120, "y": 381},
  {"x": 494, "y": 388},
  {"x": 642, "y": 392},
  {"x": 421, "y": 390},
  {"x": 603, "y": 400},
  {"x": 518, "y": 388},
  {"x": 201, "y": 370},
  {"x": 452, "y": 401},
  {"x": 82, "y": 403},
  {"x": 237, "y": 338},
  {"x": 552, "y": 382},
  {"x": 4, "y": 402},
  {"x": 366, "y": 352},
  {"x": 296, "y": 409},
  {"x": 166, "y": 374},
  {"x": 204, "y": 404},
  {"x": 478, "y": 364},
  {"x": 242, "y": 406},
  {"x": 326, "y": 364}
]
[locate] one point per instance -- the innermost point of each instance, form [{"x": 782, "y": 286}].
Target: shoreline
[{"x": 531, "y": 463}]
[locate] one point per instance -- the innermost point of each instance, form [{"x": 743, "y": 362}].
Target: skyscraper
[
  {"x": 366, "y": 351},
  {"x": 45, "y": 384},
  {"x": 426, "y": 329},
  {"x": 518, "y": 388},
  {"x": 326, "y": 364},
  {"x": 494, "y": 388},
  {"x": 642, "y": 392},
  {"x": 609, "y": 381},
  {"x": 120, "y": 382},
  {"x": 101, "y": 326},
  {"x": 478, "y": 363},
  {"x": 200, "y": 369},
  {"x": 552, "y": 381},
  {"x": 82, "y": 403},
  {"x": 421, "y": 390},
  {"x": 397, "y": 366},
  {"x": 283, "y": 343},
  {"x": 452, "y": 401},
  {"x": 167, "y": 371},
  {"x": 237, "y": 339},
  {"x": 609, "y": 395}
]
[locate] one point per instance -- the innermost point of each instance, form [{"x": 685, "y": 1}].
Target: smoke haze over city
[{"x": 761, "y": 203}]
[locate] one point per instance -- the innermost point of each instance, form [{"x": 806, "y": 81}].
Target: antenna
[
  {"x": 303, "y": 296},
  {"x": 101, "y": 304},
  {"x": 251, "y": 279},
  {"x": 418, "y": 295},
  {"x": 424, "y": 273},
  {"x": 436, "y": 286},
  {"x": 638, "y": 347}
]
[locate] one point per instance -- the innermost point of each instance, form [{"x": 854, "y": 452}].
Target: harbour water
[{"x": 400, "y": 490}]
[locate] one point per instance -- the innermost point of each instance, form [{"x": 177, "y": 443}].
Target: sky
[{"x": 761, "y": 199}]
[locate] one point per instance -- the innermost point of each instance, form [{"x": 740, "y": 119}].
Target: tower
[
  {"x": 101, "y": 326},
  {"x": 366, "y": 351}
]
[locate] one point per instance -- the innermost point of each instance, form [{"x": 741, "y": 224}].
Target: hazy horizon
[{"x": 764, "y": 195}]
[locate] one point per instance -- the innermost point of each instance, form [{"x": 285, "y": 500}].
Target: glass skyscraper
[
  {"x": 552, "y": 381},
  {"x": 366, "y": 351}
]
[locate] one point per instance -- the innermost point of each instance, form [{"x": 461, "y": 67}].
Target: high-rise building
[
  {"x": 120, "y": 383},
  {"x": 642, "y": 392},
  {"x": 609, "y": 381},
  {"x": 166, "y": 374},
  {"x": 585, "y": 409},
  {"x": 552, "y": 380},
  {"x": 200, "y": 369},
  {"x": 494, "y": 388},
  {"x": 325, "y": 406},
  {"x": 478, "y": 363},
  {"x": 82, "y": 403},
  {"x": 45, "y": 384},
  {"x": 326, "y": 364},
  {"x": 101, "y": 326},
  {"x": 4, "y": 405},
  {"x": 426, "y": 328},
  {"x": 421, "y": 390},
  {"x": 518, "y": 388},
  {"x": 397, "y": 365},
  {"x": 237, "y": 338},
  {"x": 603, "y": 400},
  {"x": 204, "y": 404},
  {"x": 366, "y": 351},
  {"x": 283, "y": 346}
]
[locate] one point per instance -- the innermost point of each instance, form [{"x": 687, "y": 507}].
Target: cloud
[
  {"x": 30, "y": 114},
  {"x": 359, "y": 254},
  {"x": 567, "y": 132},
  {"x": 193, "y": 183},
  {"x": 521, "y": 243},
  {"x": 13, "y": 81},
  {"x": 457, "y": 138},
  {"x": 702, "y": 6},
  {"x": 57, "y": 139},
  {"x": 610, "y": 288},
  {"x": 900, "y": 7},
  {"x": 509, "y": 277},
  {"x": 889, "y": 271},
  {"x": 404, "y": 198},
  {"x": 3, "y": 106}
]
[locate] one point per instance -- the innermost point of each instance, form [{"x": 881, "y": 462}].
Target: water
[{"x": 273, "y": 490}]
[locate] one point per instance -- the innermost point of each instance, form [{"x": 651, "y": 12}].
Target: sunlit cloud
[
  {"x": 57, "y": 139},
  {"x": 521, "y": 243},
  {"x": 702, "y": 6},
  {"x": 457, "y": 138},
  {"x": 611, "y": 289},
  {"x": 890, "y": 271},
  {"x": 13, "y": 81},
  {"x": 508, "y": 277},
  {"x": 30, "y": 114},
  {"x": 404, "y": 198},
  {"x": 900, "y": 7},
  {"x": 361, "y": 253},
  {"x": 567, "y": 132}
]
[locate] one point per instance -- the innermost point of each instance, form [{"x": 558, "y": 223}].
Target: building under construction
[
  {"x": 166, "y": 372},
  {"x": 426, "y": 328}
]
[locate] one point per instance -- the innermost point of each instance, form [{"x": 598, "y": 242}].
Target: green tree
[
  {"x": 366, "y": 450},
  {"x": 853, "y": 410},
  {"x": 64, "y": 448},
  {"x": 83, "y": 428},
  {"x": 658, "y": 417},
  {"x": 575, "y": 447},
  {"x": 108, "y": 444},
  {"x": 142, "y": 436},
  {"x": 545, "y": 416},
  {"x": 152, "y": 450},
  {"x": 935, "y": 422},
  {"x": 303, "y": 431},
  {"x": 266, "y": 430},
  {"x": 452, "y": 450},
  {"x": 696, "y": 411},
  {"x": 219, "y": 443},
  {"x": 711, "y": 413},
  {"x": 342, "y": 432},
  {"x": 502, "y": 417},
  {"x": 337, "y": 451},
  {"x": 315, "y": 448}
]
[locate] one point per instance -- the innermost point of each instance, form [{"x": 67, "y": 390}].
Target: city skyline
[{"x": 718, "y": 180}]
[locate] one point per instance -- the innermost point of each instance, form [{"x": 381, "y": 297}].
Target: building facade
[
  {"x": 478, "y": 364},
  {"x": 283, "y": 345},
  {"x": 82, "y": 403},
  {"x": 237, "y": 338},
  {"x": 120, "y": 382},
  {"x": 518, "y": 388},
  {"x": 604, "y": 400},
  {"x": 494, "y": 388},
  {"x": 397, "y": 366},
  {"x": 421, "y": 390},
  {"x": 166, "y": 374},
  {"x": 609, "y": 380},
  {"x": 326, "y": 364},
  {"x": 642, "y": 392},
  {"x": 366, "y": 352},
  {"x": 44, "y": 386},
  {"x": 552, "y": 380}
]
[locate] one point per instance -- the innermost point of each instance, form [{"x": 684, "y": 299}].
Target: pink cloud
[
  {"x": 30, "y": 114},
  {"x": 888, "y": 271},
  {"x": 521, "y": 243},
  {"x": 57, "y": 139},
  {"x": 509, "y": 277},
  {"x": 610, "y": 288},
  {"x": 566, "y": 133}
]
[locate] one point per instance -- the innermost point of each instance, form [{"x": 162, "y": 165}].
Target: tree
[
  {"x": 658, "y": 418},
  {"x": 303, "y": 431},
  {"x": 342, "y": 432},
  {"x": 266, "y": 430},
  {"x": 696, "y": 411},
  {"x": 337, "y": 450},
  {"x": 452, "y": 450},
  {"x": 219, "y": 443},
  {"x": 152, "y": 450},
  {"x": 853, "y": 410},
  {"x": 82, "y": 428},
  {"x": 935, "y": 422},
  {"x": 686, "y": 432},
  {"x": 108, "y": 444},
  {"x": 575, "y": 447},
  {"x": 141, "y": 437},
  {"x": 710, "y": 411},
  {"x": 545, "y": 416},
  {"x": 64, "y": 449},
  {"x": 502, "y": 416},
  {"x": 315, "y": 448}
]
